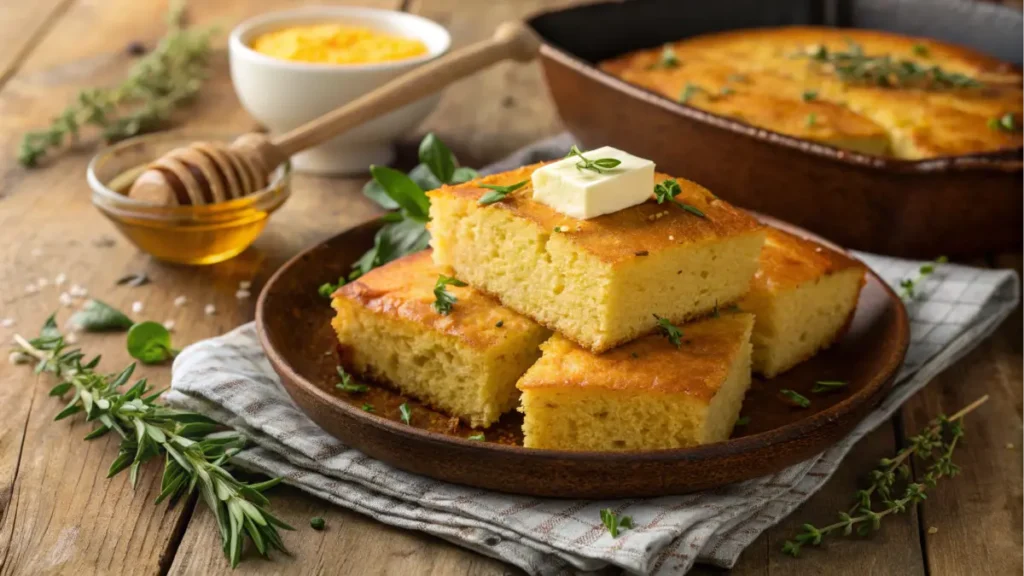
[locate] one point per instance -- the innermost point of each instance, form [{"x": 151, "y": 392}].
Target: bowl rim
[
  {"x": 279, "y": 178},
  {"x": 237, "y": 47}
]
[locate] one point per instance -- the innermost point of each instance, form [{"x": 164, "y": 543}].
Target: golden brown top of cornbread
[
  {"x": 764, "y": 79},
  {"x": 404, "y": 289},
  {"x": 623, "y": 235},
  {"x": 788, "y": 261},
  {"x": 650, "y": 364}
]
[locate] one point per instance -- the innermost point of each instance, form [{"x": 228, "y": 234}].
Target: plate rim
[{"x": 869, "y": 395}]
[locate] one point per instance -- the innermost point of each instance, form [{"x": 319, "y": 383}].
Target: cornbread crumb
[
  {"x": 803, "y": 299},
  {"x": 644, "y": 395},
  {"x": 1009, "y": 445},
  {"x": 136, "y": 307},
  {"x": 210, "y": 310},
  {"x": 933, "y": 530},
  {"x": 180, "y": 301},
  {"x": 465, "y": 363}
]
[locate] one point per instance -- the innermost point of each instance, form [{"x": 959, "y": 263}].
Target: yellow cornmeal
[{"x": 336, "y": 44}]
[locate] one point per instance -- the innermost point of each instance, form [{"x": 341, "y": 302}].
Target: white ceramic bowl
[{"x": 282, "y": 94}]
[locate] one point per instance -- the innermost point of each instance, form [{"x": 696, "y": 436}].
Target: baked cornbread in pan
[
  {"x": 599, "y": 282},
  {"x": 824, "y": 84},
  {"x": 645, "y": 395},
  {"x": 465, "y": 363},
  {"x": 803, "y": 296}
]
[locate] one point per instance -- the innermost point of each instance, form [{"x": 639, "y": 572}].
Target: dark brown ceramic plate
[
  {"x": 293, "y": 322},
  {"x": 957, "y": 206}
]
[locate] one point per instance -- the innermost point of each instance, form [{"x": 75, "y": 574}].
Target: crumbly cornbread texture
[
  {"x": 598, "y": 282},
  {"x": 766, "y": 77},
  {"x": 644, "y": 395},
  {"x": 465, "y": 363},
  {"x": 804, "y": 296}
]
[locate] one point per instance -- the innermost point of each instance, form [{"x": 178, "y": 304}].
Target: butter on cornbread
[
  {"x": 645, "y": 395},
  {"x": 598, "y": 282},
  {"x": 804, "y": 296},
  {"x": 465, "y": 363}
]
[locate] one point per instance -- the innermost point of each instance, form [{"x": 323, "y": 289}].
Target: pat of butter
[{"x": 585, "y": 193}]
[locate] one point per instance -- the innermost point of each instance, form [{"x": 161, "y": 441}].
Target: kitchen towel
[{"x": 229, "y": 379}]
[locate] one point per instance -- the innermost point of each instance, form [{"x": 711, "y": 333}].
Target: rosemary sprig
[
  {"x": 855, "y": 67},
  {"x": 194, "y": 449},
  {"x": 934, "y": 446},
  {"x": 158, "y": 84},
  {"x": 908, "y": 286},
  {"x": 601, "y": 165}
]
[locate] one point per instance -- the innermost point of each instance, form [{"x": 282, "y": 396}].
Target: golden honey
[{"x": 337, "y": 44}]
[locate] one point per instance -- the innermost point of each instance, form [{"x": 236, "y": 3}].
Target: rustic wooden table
[{"x": 60, "y": 513}]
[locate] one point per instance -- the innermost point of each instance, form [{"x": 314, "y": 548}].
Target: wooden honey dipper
[{"x": 210, "y": 172}]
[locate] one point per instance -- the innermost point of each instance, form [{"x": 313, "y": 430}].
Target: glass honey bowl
[{"x": 196, "y": 235}]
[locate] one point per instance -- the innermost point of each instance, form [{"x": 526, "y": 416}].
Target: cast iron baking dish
[{"x": 955, "y": 206}]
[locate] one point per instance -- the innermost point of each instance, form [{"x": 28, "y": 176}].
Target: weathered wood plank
[
  {"x": 23, "y": 25},
  {"x": 976, "y": 517}
]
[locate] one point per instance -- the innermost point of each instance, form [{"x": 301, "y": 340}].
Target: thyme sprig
[
  {"x": 158, "y": 84},
  {"x": 443, "y": 299},
  {"x": 934, "y": 446},
  {"x": 667, "y": 190},
  {"x": 908, "y": 286},
  {"x": 854, "y": 67},
  {"x": 601, "y": 165},
  {"x": 194, "y": 448}
]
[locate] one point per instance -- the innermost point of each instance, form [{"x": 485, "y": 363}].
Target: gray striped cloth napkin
[{"x": 228, "y": 379}]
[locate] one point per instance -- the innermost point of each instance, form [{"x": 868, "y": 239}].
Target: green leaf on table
[
  {"x": 150, "y": 343},
  {"x": 406, "y": 193},
  {"x": 97, "y": 316},
  {"x": 437, "y": 157}
]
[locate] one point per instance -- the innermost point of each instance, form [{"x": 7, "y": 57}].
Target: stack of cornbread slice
[{"x": 650, "y": 350}]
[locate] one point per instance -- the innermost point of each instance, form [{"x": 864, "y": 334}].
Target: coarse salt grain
[
  {"x": 31, "y": 289},
  {"x": 7, "y": 322},
  {"x": 180, "y": 301},
  {"x": 66, "y": 300},
  {"x": 71, "y": 337},
  {"x": 42, "y": 282},
  {"x": 210, "y": 310},
  {"x": 244, "y": 285},
  {"x": 169, "y": 325},
  {"x": 242, "y": 294},
  {"x": 77, "y": 291},
  {"x": 136, "y": 307},
  {"x": 60, "y": 279}
]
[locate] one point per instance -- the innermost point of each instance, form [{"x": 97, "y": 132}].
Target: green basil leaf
[
  {"x": 404, "y": 191},
  {"x": 97, "y": 316},
  {"x": 464, "y": 174},
  {"x": 374, "y": 191},
  {"x": 393, "y": 241},
  {"x": 437, "y": 157},
  {"x": 424, "y": 178},
  {"x": 150, "y": 343}
]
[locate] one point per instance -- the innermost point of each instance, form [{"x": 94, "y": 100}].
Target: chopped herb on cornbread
[
  {"x": 667, "y": 190},
  {"x": 812, "y": 120},
  {"x": 670, "y": 331},
  {"x": 1004, "y": 123},
  {"x": 795, "y": 398},
  {"x": 498, "y": 193},
  {"x": 443, "y": 299},
  {"x": 920, "y": 50},
  {"x": 809, "y": 95},
  {"x": 822, "y": 386},
  {"x": 615, "y": 523},
  {"x": 725, "y": 91},
  {"x": 346, "y": 384},
  {"x": 688, "y": 91},
  {"x": 668, "y": 58}
]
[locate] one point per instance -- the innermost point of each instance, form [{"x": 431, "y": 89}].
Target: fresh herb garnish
[
  {"x": 369, "y": 408},
  {"x": 795, "y": 398},
  {"x": 133, "y": 280},
  {"x": 908, "y": 286},
  {"x": 601, "y": 165},
  {"x": 346, "y": 384},
  {"x": 498, "y": 193},
  {"x": 1004, "y": 123},
  {"x": 443, "y": 299},
  {"x": 920, "y": 50},
  {"x": 405, "y": 412},
  {"x": 668, "y": 59},
  {"x": 743, "y": 421},
  {"x": 670, "y": 331},
  {"x": 614, "y": 523},
  {"x": 725, "y": 91},
  {"x": 736, "y": 78},
  {"x": 157, "y": 85},
  {"x": 499, "y": 324},
  {"x": 811, "y": 120},
  {"x": 193, "y": 447},
  {"x": 150, "y": 343},
  {"x": 97, "y": 316},
  {"x": 688, "y": 91},
  {"x": 667, "y": 190},
  {"x": 933, "y": 447},
  {"x": 822, "y": 386},
  {"x": 809, "y": 95},
  {"x": 853, "y": 66},
  {"x": 317, "y": 523},
  {"x": 479, "y": 437}
]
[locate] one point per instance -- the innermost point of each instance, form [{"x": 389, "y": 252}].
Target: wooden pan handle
[{"x": 511, "y": 40}]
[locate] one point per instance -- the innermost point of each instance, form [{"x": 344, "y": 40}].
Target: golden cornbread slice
[
  {"x": 465, "y": 363},
  {"x": 770, "y": 78},
  {"x": 645, "y": 395},
  {"x": 804, "y": 296},
  {"x": 598, "y": 282}
]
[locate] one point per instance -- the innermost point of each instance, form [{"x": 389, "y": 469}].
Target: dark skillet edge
[
  {"x": 1007, "y": 160},
  {"x": 832, "y": 424}
]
